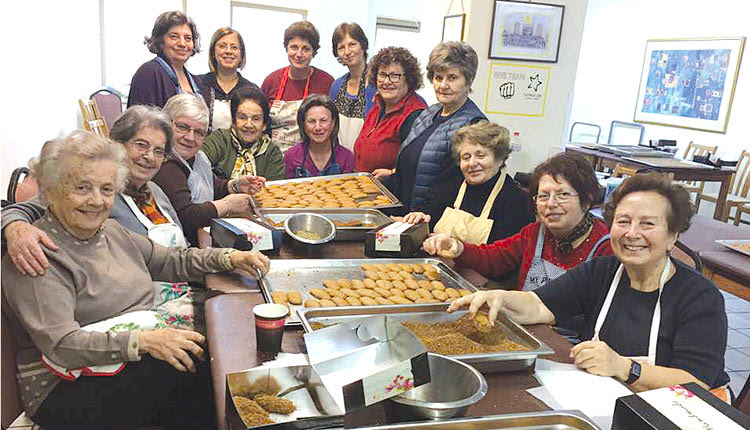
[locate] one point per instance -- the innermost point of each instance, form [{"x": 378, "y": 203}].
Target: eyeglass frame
[
  {"x": 144, "y": 148},
  {"x": 199, "y": 134},
  {"x": 556, "y": 196},
  {"x": 382, "y": 77}
]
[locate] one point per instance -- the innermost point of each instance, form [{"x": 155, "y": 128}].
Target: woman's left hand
[
  {"x": 595, "y": 356},
  {"x": 416, "y": 217},
  {"x": 250, "y": 261},
  {"x": 249, "y": 184}
]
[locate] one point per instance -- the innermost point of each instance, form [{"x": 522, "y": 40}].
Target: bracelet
[
  {"x": 236, "y": 186},
  {"x": 226, "y": 261}
]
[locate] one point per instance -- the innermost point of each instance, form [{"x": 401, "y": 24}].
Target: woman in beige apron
[{"x": 284, "y": 129}]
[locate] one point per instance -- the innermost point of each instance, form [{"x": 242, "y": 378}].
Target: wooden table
[{"x": 682, "y": 171}]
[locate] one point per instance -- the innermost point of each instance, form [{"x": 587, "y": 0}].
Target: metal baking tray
[
  {"x": 546, "y": 420},
  {"x": 494, "y": 362},
  {"x": 394, "y": 201},
  {"x": 372, "y": 216},
  {"x": 303, "y": 275},
  {"x": 740, "y": 245}
]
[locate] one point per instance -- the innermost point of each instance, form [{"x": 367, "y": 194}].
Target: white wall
[
  {"x": 540, "y": 135},
  {"x": 611, "y": 59}
]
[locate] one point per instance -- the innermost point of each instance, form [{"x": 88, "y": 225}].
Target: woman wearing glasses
[
  {"x": 565, "y": 236},
  {"x": 397, "y": 105},
  {"x": 196, "y": 193}
]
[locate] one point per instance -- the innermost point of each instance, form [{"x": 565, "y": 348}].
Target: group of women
[{"x": 96, "y": 274}]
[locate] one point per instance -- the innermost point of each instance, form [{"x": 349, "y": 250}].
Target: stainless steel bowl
[
  {"x": 455, "y": 386},
  {"x": 310, "y": 222}
]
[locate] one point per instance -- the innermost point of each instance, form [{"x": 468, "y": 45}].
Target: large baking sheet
[
  {"x": 509, "y": 361},
  {"x": 303, "y": 275},
  {"x": 740, "y": 245},
  {"x": 394, "y": 201},
  {"x": 372, "y": 216},
  {"x": 547, "y": 420}
]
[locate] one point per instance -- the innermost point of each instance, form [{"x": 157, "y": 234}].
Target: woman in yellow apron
[
  {"x": 287, "y": 87},
  {"x": 484, "y": 205},
  {"x": 653, "y": 322}
]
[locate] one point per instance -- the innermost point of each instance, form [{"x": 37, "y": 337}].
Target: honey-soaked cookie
[
  {"x": 336, "y": 293},
  {"x": 369, "y": 283},
  {"x": 351, "y": 293},
  {"x": 294, "y": 297},
  {"x": 312, "y": 303},
  {"x": 400, "y": 285},
  {"x": 395, "y": 276},
  {"x": 384, "y": 301},
  {"x": 368, "y": 266},
  {"x": 330, "y": 283},
  {"x": 372, "y": 274},
  {"x": 424, "y": 283},
  {"x": 437, "y": 285},
  {"x": 344, "y": 283},
  {"x": 432, "y": 276},
  {"x": 411, "y": 284},
  {"x": 339, "y": 301},
  {"x": 381, "y": 267},
  {"x": 424, "y": 293},
  {"x": 368, "y": 301},
  {"x": 327, "y": 303},
  {"x": 357, "y": 284},
  {"x": 440, "y": 295},
  {"x": 417, "y": 268},
  {"x": 400, "y": 300},
  {"x": 406, "y": 275},
  {"x": 319, "y": 293},
  {"x": 412, "y": 295},
  {"x": 404, "y": 267},
  {"x": 353, "y": 301},
  {"x": 382, "y": 283},
  {"x": 396, "y": 292},
  {"x": 368, "y": 292},
  {"x": 464, "y": 293},
  {"x": 279, "y": 297},
  {"x": 452, "y": 292},
  {"x": 429, "y": 267},
  {"x": 393, "y": 267},
  {"x": 383, "y": 292}
]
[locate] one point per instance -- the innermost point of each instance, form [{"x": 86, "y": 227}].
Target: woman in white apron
[
  {"x": 287, "y": 87},
  {"x": 653, "y": 322},
  {"x": 351, "y": 94},
  {"x": 487, "y": 205},
  {"x": 565, "y": 188}
]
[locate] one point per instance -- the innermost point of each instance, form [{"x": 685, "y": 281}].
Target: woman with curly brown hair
[
  {"x": 288, "y": 86},
  {"x": 397, "y": 105},
  {"x": 174, "y": 39}
]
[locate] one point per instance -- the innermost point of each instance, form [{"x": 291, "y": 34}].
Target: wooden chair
[
  {"x": 92, "y": 118},
  {"x": 739, "y": 187},
  {"x": 744, "y": 209},
  {"x": 109, "y": 103},
  {"x": 622, "y": 170},
  {"x": 742, "y": 402},
  {"x": 691, "y": 151}
]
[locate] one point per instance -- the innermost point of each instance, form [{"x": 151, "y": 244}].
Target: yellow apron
[{"x": 465, "y": 226}]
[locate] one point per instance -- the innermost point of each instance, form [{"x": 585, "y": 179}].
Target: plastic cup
[{"x": 269, "y": 326}]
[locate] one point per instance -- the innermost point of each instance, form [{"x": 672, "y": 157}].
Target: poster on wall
[
  {"x": 689, "y": 83},
  {"x": 516, "y": 89},
  {"x": 527, "y": 31}
]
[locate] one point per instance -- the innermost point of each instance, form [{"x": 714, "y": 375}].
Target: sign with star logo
[{"x": 516, "y": 89}]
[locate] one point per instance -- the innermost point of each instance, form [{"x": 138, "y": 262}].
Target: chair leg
[
  {"x": 697, "y": 201},
  {"x": 738, "y": 217}
]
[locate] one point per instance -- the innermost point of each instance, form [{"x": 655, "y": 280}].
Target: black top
[
  {"x": 511, "y": 210},
  {"x": 209, "y": 79},
  {"x": 693, "y": 331}
]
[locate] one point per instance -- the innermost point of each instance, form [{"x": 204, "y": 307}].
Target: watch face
[{"x": 635, "y": 372}]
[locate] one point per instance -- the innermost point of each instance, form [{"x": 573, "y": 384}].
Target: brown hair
[
  {"x": 402, "y": 56},
  {"x": 354, "y": 31},
  {"x": 163, "y": 23},
  {"x": 303, "y": 30},
  {"x": 573, "y": 168},
  {"x": 310, "y": 102},
  {"x": 681, "y": 209},
  {"x": 494, "y": 137},
  {"x": 224, "y": 31}
]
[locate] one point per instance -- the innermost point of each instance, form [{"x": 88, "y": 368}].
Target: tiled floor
[{"x": 737, "y": 357}]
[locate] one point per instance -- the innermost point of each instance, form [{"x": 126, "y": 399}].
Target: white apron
[
  {"x": 465, "y": 226},
  {"x": 349, "y": 129},
  {"x": 200, "y": 179},
  {"x": 284, "y": 128},
  {"x": 221, "y": 115}
]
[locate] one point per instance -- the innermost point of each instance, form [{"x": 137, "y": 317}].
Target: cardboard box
[
  {"x": 245, "y": 235},
  {"x": 396, "y": 239},
  {"x": 674, "y": 408}
]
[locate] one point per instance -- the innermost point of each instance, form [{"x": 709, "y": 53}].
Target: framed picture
[
  {"x": 526, "y": 31},
  {"x": 689, "y": 83},
  {"x": 453, "y": 28}
]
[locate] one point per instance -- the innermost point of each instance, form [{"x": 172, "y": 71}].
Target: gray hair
[
  {"x": 188, "y": 105},
  {"x": 453, "y": 54},
  {"x": 53, "y": 158},
  {"x": 137, "y": 117},
  {"x": 495, "y": 138}
]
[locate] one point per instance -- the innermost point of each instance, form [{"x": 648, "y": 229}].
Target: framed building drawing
[
  {"x": 526, "y": 31},
  {"x": 453, "y": 28},
  {"x": 689, "y": 83}
]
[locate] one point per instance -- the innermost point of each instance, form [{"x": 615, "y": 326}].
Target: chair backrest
[
  {"x": 741, "y": 179},
  {"x": 694, "y": 149},
  {"x": 686, "y": 255},
  {"x": 10, "y": 397},
  {"x": 584, "y": 132},
  {"x": 622, "y": 170},
  {"x": 109, "y": 104},
  {"x": 92, "y": 118}
]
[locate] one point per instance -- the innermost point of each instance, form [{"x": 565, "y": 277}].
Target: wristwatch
[{"x": 635, "y": 372}]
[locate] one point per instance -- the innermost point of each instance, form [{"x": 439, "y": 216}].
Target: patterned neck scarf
[
  {"x": 146, "y": 203},
  {"x": 245, "y": 162},
  {"x": 352, "y": 107},
  {"x": 140, "y": 195},
  {"x": 566, "y": 243}
]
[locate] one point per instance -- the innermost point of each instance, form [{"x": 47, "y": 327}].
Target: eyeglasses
[
  {"x": 561, "y": 198},
  {"x": 144, "y": 147},
  {"x": 185, "y": 129},
  {"x": 394, "y": 77},
  {"x": 232, "y": 47}
]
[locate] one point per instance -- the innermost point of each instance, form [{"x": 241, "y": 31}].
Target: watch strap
[{"x": 635, "y": 372}]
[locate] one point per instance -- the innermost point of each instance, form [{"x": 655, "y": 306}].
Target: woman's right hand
[
  {"x": 25, "y": 243},
  {"x": 443, "y": 245},
  {"x": 493, "y": 300},
  {"x": 382, "y": 174},
  {"x": 234, "y": 204},
  {"x": 416, "y": 218},
  {"x": 172, "y": 345}
]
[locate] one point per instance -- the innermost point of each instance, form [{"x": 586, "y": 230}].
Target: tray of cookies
[
  {"x": 350, "y": 191},
  {"x": 351, "y": 224},
  {"x": 360, "y": 282}
]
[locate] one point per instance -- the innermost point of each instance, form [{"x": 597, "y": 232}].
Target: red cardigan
[
  {"x": 378, "y": 143},
  {"x": 516, "y": 252}
]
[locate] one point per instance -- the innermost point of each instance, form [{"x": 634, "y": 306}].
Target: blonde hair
[{"x": 494, "y": 137}]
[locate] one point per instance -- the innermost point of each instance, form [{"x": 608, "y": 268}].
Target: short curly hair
[
  {"x": 453, "y": 54},
  {"x": 303, "y": 30},
  {"x": 402, "y": 56},
  {"x": 576, "y": 170},
  {"x": 354, "y": 31},
  {"x": 163, "y": 23},
  {"x": 681, "y": 209},
  {"x": 495, "y": 138}
]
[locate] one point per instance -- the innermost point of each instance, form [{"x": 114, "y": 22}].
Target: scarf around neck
[
  {"x": 566, "y": 243},
  {"x": 245, "y": 162}
]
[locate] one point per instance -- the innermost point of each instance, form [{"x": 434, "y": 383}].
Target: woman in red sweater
[{"x": 565, "y": 187}]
